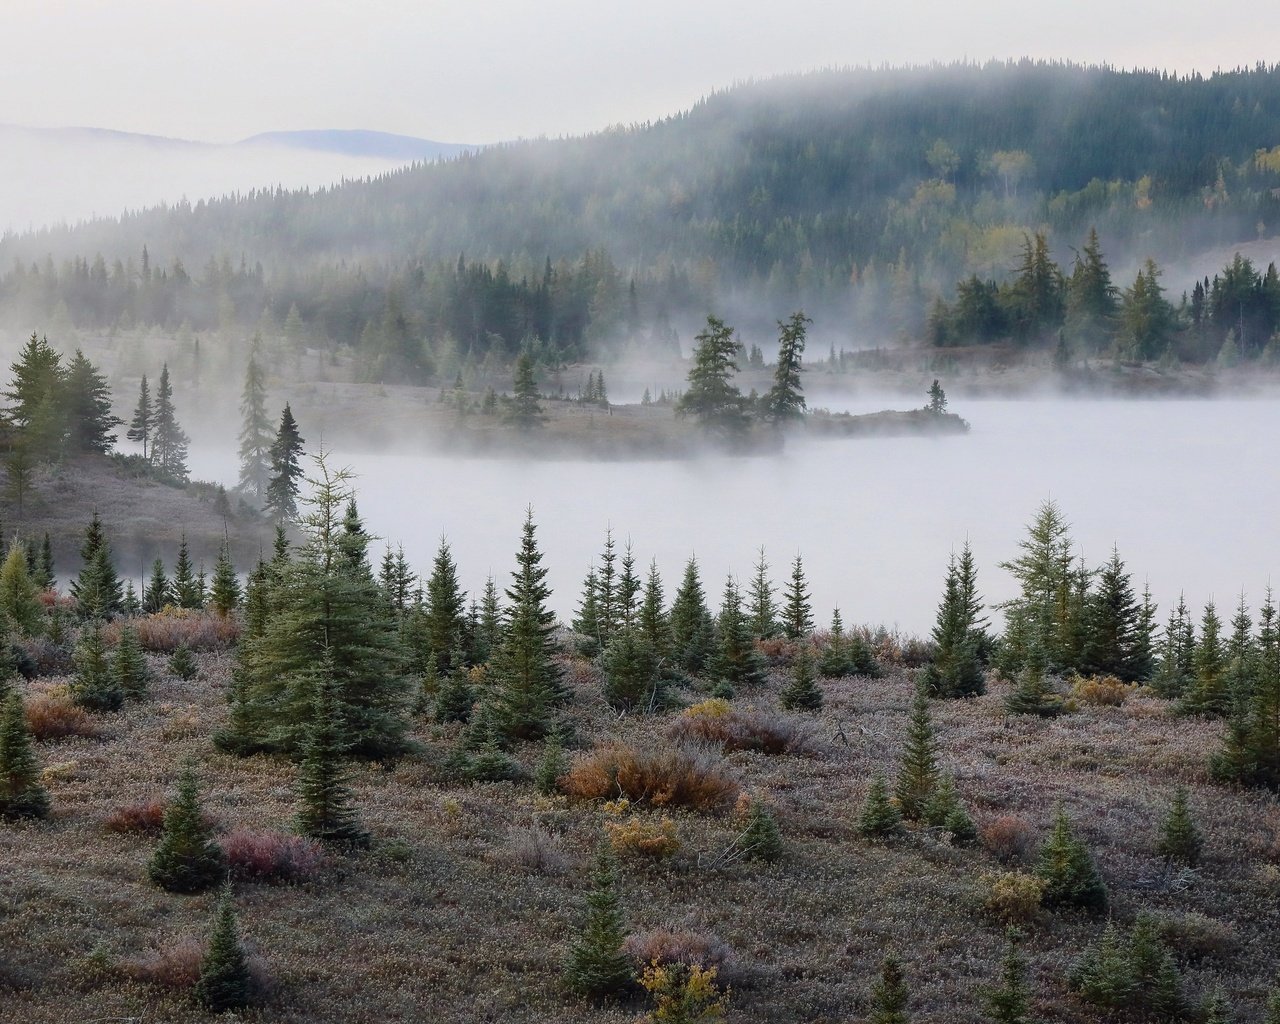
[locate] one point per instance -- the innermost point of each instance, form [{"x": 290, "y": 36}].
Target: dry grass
[
  {"x": 167, "y": 630},
  {"x": 174, "y": 966},
  {"x": 52, "y": 716},
  {"x": 640, "y": 838},
  {"x": 716, "y": 723},
  {"x": 664, "y": 776},
  {"x": 682, "y": 946}
]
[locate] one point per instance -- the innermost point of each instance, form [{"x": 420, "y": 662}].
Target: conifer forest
[{"x": 881, "y": 629}]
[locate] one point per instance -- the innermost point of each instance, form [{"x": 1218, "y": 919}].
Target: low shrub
[
  {"x": 666, "y": 776},
  {"x": 681, "y": 946},
  {"x": 146, "y": 816},
  {"x": 637, "y": 837},
  {"x": 54, "y": 716},
  {"x": 167, "y": 630},
  {"x": 1102, "y": 691},
  {"x": 731, "y": 729},
  {"x": 1012, "y": 897},
  {"x": 536, "y": 850},
  {"x": 1007, "y": 837},
  {"x": 1195, "y": 936},
  {"x": 175, "y": 966},
  {"x": 40, "y": 656},
  {"x": 273, "y": 857}
]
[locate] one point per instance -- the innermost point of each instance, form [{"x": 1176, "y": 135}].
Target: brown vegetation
[
  {"x": 664, "y": 776},
  {"x": 717, "y": 723},
  {"x": 52, "y": 715}
]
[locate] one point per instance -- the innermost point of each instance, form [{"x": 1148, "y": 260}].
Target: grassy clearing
[{"x": 463, "y": 910}]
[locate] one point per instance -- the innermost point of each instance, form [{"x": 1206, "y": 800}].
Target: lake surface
[{"x": 1188, "y": 490}]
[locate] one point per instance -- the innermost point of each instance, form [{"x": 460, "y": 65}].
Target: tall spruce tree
[
  {"x": 525, "y": 410},
  {"x": 596, "y": 965},
  {"x": 736, "y": 662},
  {"x": 186, "y": 589},
  {"x": 158, "y": 591},
  {"x": 1250, "y": 754},
  {"x": 143, "y": 420},
  {"x": 169, "y": 442},
  {"x": 22, "y": 795},
  {"x": 692, "y": 632},
  {"x": 446, "y": 620},
  {"x": 87, "y": 405},
  {"x": 255, "y": 435},
  {"x": 1208, "y": 693},
  {"x": 225, "y": 593},
  {"x": 1044, "y": 574},
  {"x": 286, "y": 471},
  {"x": 1177, "y": 653},
  {"x": 655, "y": 624},
  {"x": 97, "y": 588},
  {"x": 955, "y": 669},
  {"x": 325, "y": 811},
  {"x": 762, "y": 610},
  {"x": 784, "y": 402},
  {"x": 918, "y": 772},
  {"x": 1113, "y": 623},
  {"x": 797, "y": 613},
  {"x": 711, "y": 397},
  {"x": 37, "y": 400}
]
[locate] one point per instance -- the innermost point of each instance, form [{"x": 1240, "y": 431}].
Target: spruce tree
[
  {"x": 834, "y": 661},
  {"x": 185, "y": 589},
  {"x": 1044, "y": 573},
  {"x": 224, "y": 982},
  {"x": 1251, "y": 752},
  {"x": 608, "y": 614},
  {"x": 1103, "y": 975},
  {"x": 36, "y": 397},
  {"x": 760, "y": 840},
  {"x": 802, "y": 693},
  {"x": 169, "y": 441},
  {"x": 20, "y": 604},
  {"x": 762, "y": 611},
  {"x": 711, "y": 397},
  {"x": 1208, "y": 693},
  {"x": 488, "y": 633},
  {"x": 1158, "y": 987},
  {"x": 225, "y": 594},
  {"x": 94, "y": 685},
  {"x": 87, "y": 407},
  {"x": 1180, "y": 841},
  {"x": 45, "y": 576},
  {"x": 525, "y": 411},
  {"x": 596, "y": 965},
  {"x": 325, "y": 811},
  {"x": 21, "y": 793},
  {"x": 1113, "y": 623},
  {"x": 129, "y": 666},
  {"x": 955, "y": 669},
  {"x": 918, "y": 773},
  {"x": 97, "y": 589},
  {"x": 587, "y": 620},
  {"x": 1067, "y": 868},
  {"x": 879, "y": 817},
  {"x": 158, "y": 591},
  {"x": 889, "y": 994},
  {"x": 1032, "y": 695},
  {"x": 526, "y": 679},
  {"x": 692, "y": 634},
  {"x": 797, "y": 614},
  {"x": 143, "y": 418},
  {"x": 1217, "y": 1010},
  {"x": 456, "y": 697},
  {"x": 182, "y": 663},
  {"x": 655, "y": 625},
  {"x": 187, "y": 859},
  {"x": 784, "y": 402},
  {"x": 1177, "y": 656},
  {"x": 736, "y": 661},
  {"x": 1143, "y": 656},
  {"x": 945, "y": 810},
  {"x": 255, "y": 435},
  {"x": 446, "y": 609},
  {"x": 551, "y": 766},
  {"x": 628, "y": 589},
  {"x": 1010, "y": 1001},
  {"x": 286, "y": 471},
  {"x": 631, "y": 672}
]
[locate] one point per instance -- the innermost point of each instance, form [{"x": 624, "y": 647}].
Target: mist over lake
[{"x": 875, "y": 519}]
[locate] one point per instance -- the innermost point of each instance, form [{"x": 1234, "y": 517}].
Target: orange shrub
[
  {"x": 1102, "y": 691},
  {"x": 53, "y": 716},
  {"x": 732, "y": 730},
  {"x": 675, "y": 776},
  {"x": 643, "y": 838},
  {"x": 166, "y": 631},
  {"x": 175, "y": 966},
  {"x": 1007, "y": 837},
  {"x": 272, "y": 856},
  {"x": 143, "y": 816},
  {"x": 679, "y": 946}
]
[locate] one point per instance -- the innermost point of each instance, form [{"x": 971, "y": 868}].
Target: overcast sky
[{"x": 484, "y": 70}]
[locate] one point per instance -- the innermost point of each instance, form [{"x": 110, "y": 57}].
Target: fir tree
[
  {"x": 187, "y": 859},
  {"x": 1113, "y": 623},
  {"x": 527, "y": 681},
  {"x": 21, "y": 793},
  {"x": 1143, "y": 656},
  {"x": 255, "y": 435},
  {"x": 834, "y": 661},
  {"x": 608, "y": 613},
  {"x": 551, "y": 766},
  {"x": 762, "y": 610},
  {"x": 36, "y": 394},
  {"x": 488, "y": 633},
  {"x": 1158, "y": 988},
  {"x": 1103, "y": 975},
  {"x": 797, "y": 614},
  {"x": 784, "y": 402},
  {"x": 94, "y": 686},
  {"x": 691, "y": 626},
  {"x": 130, "y": 605},
  {"x": 655, "y": 625},
  {"x": 1010, "y": 1001},
  {"x": 631, "y": 671},
  {"x": 945, "y": 810},
  {"x": 225, "y": 594},
  {"x": 1066, "y": 866},
  {"x": 456, "y": 697},
  {"x": 760, "y": 840},
  {"x": 1032, "y": 695},
  {"x": 1251, "y": 752},
  {"x": 628, "y": 589},
  {"x": 325, "y": 811},
  {"x": 1177, "y": 668},
  {"x": 1180, "y": 840},
  {"x": 143, "y": 418},
  {"x": 889, "y": 994},
  {"x": 129, "y": 666},
  {"x": 286, "y": 471},
  {"x": 224, "y": 983},
  {"x": 918, "y": 773},
  {"x": 587, "y": 620},
  {"x": 802, "y": 693},
  {"x": 879, "y": 817},
  {"x": 158, "y": 592},
  {"x": 1208, "y": 694},
  {"x": 168, "y": 441},
  {"x": 97, "y": 588},
  {"x": 185, "y": 589},
  {"x": 1044, "y": 573},
  {"x": 596, "y": 965},
  {"x": 87, "y": 405},
  {"x": 736, "y": 661}
]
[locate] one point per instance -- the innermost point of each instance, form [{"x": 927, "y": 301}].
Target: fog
[
  {"x": 1187, "y": 489},
  {"x": 53, "y": 177}
]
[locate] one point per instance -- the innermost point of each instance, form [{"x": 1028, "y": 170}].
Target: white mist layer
[{"x": 1188, "y": 490}]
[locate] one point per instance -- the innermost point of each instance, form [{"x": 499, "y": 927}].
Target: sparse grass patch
[
  {"x": 536, "y": 850},
  {"x": 664, "y": 776}
]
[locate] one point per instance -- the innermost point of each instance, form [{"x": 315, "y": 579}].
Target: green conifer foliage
[
  {"x": 552, "y": 765},
  {"x": 1067, "y": 868},
  {"x": 1177, "y": 656},
  {"x": 456, "y": 697},
  {"x": 736, "y": 661},
  {"x": 655, "y": 625},
  {"x": 918, "y": 774},
  {"x": 797, "y": 613},
  {"x": 187, "y": 859},
  {"x": 182, "y": 663},
  {"x": 255, "y": 435},
  {"x": 596, "y": 965},
  {"x": 143, "y": 418},
  {"x": 158, "y": 592},
  {"x": 325, "y": 812},
  {"x": 1009, "y": 1002},
  {"x": 834, "y": 661},
  {"x": 21, "y": 793},
  {"x": 879, "y": 818},
  {"x": 1180, "y": 841},
  {"x": 1044, "y": 573},
  {"x": 1217, "y": 1010},
  {"x": 129, "y": 666},
  {"x": 19, "y": 599},
  {"x": 527, "y": 680},
  {"x": 446, "y": 608},
  {"x": 692, "y": 633},
  {"x": 1157, "y": 985},
  {"x": 185, "y": 589},
  {"x": 1208, "y": 693},
  {"x": 784, "y": 403},
  {"x": 86, "y": 402},
  {"x": 94, "y": 685},
  {"x": 1032, "y": 695},
  {"x": 889, "y": 994},
  {"x": 1113, "y": 623},
  {"x": 225, "y": 983},
  {"x": 1273, "y": 1008},
  {"x": 488, "y": 632},
  {"x": 45, "y": 576},
  {"x": 956, "y": 670},
  {"x": 945, "y": 810},
  {"x": 1251, "y": 753},
  {"x": 1103, "y": 975},
  {"x": 225, "y": 595},
  {"x": 762, "y": 611},
  {"x": 286, "y": 471},
  {"x": 711, "y": 397},
  {"x": 97, "y": 589},
  {"x": 168, "y": 440},
  {"x": 760, "y": 840},
  {"x": 802, "y": 692},
  {"x": 587, "y": 621},
  {"x": 525, "y": 411},
  {"x": 631, "y": 679}
]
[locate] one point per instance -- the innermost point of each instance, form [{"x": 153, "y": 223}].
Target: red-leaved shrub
[
  {"x": 275, "y": 857},
  {"x": 166, "y": 631},
  {"x": 53, "y": 716},
  {"x": 1007, "y": 837},
  {"x": 762, "y": 731},
  {"x": 143, "y": 816}
]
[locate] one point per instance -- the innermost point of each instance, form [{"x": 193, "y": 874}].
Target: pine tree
[
  {"x": 20, "y": 604},
  {"x": 596, "y": 965},
  {"x": 21, "y": 793},
  {"x": 1208, "y": 694},
  {"x": 784, "y": 402},
  {"x": 255, "y": 435},
  {"x": 955, "y": 669},
  {"x": 1044, "y": 573},
  {"x": 282, "y": 487},
  {"x": 87, "y": 405},
  {"x": 1113, "y": 623},
  {"x": 446, "y": 609},
  {"x": 761, "y": 607},
  {"x": 168, "y": 441},
  {"x": 889, "y": 994},
  {"x": 325, "y": 811},
  {"x": 129, "y": 666},
  {"x": 879, "y": 817},
  {"x": 711, "y": 397},
  {"x": 1010, "y": 1001},
  {"x": 36, "y": 394},
  {"x": 797, "y": 613},
  {"x": 225, "y": 595},
  {"x": 802, "y": 692},
  {"x": 760, "y": 840},
  {"x": 1067, "y": 868},
  {"x": 143, "y": 418},
  {"x": 158, "y": 592},
  {"x": 691, "y": 626},
  {"x": 525, "y": 411},
  {"x": 527, "y": 681},
  {"x": 187, "y": 859},
  {"x": 224, "y": 983},
  {"x": 1180, "y": 840},
  {"x": 94, "y": 686},
  {"x": 918, "y": 774}
]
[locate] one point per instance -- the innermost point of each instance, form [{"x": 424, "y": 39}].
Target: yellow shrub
[
  {"x": 1102, "y": 691},
  {"x": 684, "y": 994},
  {"x": 713, "y": 708},
  {"x": 1013, "y": 897},
  {"x": 643, "y": 838}
]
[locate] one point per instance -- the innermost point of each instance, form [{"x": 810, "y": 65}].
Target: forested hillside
[{"x": 858, "y": 195}]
